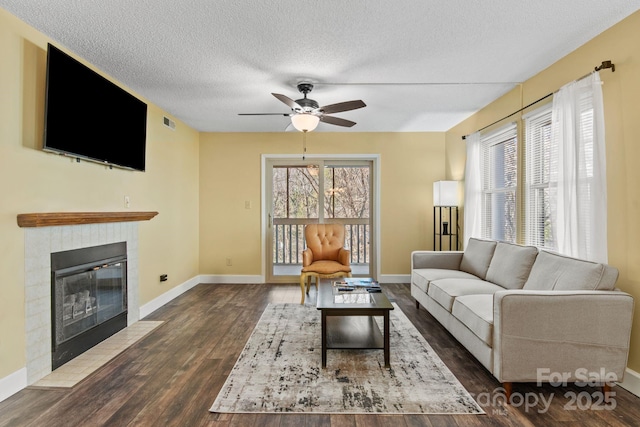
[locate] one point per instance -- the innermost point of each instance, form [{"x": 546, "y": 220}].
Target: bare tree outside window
[
  {"x": 295, "y": 192},
  {"x": 296, "y": 196},
  {"x": 347, "y": 194}
]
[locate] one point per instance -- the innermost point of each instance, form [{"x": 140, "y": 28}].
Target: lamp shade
[
  {"x": 304, "y": 122},
  {"x": 445, "y": 193}
]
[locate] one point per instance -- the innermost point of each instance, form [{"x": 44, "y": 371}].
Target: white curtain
[
  {"x": 578, "y": 187},
  {"x": 472, "y": 189}
]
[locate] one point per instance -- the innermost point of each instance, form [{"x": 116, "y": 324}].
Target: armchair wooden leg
[{"x": 303, "y": 281}]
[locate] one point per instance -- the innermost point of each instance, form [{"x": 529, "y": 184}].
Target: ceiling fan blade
[
  {"x": 342, "y": 106},
  {"x": 337, "y": 121},
  {"x": 288, "y": 101},
  {"x": 265, "y": 114}
]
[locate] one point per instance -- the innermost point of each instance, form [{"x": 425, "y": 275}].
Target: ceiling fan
[{"x": 306, "y": 113}]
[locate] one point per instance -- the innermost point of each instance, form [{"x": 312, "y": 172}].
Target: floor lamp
[{"x": 445, "y": 214}]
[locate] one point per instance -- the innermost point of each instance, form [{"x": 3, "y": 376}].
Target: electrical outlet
[
  {"x": 163, "y": 277},
  {"x": 127, "y": 202},
  {"x": 229, "y": 262}
]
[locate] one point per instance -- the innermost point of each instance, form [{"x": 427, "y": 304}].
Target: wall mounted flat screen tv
[{"x": 88, "y": 117}]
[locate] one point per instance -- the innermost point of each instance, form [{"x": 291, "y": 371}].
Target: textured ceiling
[{"x": 419, "y": 65}]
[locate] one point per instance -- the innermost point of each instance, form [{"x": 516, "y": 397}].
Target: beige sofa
[{"x": 528, "y": 315}]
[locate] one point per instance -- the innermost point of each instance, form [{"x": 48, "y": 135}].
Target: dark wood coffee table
[{"x": 348, "y": 323}]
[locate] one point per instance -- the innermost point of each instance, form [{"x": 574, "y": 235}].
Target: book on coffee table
[{"x": 356, "y": 282}]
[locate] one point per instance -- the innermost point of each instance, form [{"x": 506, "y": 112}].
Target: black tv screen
[{"x": 87, "y": 116}]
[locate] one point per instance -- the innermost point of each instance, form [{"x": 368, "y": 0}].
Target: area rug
[{"x": 279, "y": 371}]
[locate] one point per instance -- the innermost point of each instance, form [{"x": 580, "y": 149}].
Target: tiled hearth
[
  {"x": 40, "y": 242},
  {"x": 76, "y": 370}
]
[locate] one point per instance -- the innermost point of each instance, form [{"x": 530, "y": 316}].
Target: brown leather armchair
[{"x": 325, "y": 256}]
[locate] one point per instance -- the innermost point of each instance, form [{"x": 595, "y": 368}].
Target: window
[
  {"x": 561, "y": 202},
  {"x": 537, "y": 192},
  {"x": 499, "y": 169}
]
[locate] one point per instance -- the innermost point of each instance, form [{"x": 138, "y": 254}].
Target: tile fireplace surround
[{"x": 49, "y": 233}]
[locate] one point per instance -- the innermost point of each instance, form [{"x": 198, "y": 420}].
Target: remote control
[
  {"x": 374, "y": 290},
  {"x": 345, "y": 289}
]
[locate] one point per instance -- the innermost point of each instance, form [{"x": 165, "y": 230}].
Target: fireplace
[
  {"x": 88, "y": 298},
  {"x": 52, "y": 232}
]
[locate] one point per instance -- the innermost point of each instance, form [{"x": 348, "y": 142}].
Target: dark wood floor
[{"x": 172, "y": 376}]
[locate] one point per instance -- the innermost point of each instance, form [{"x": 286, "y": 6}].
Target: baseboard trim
[
  {"x": 13, "y": 383},
  {"x": 257, "y": 279},
  {"x": 395, "y": 278},
  {"x": 631, "y": 382},
  {"x": 163, "y": 299},
  {"x": 230, "y": 279}
]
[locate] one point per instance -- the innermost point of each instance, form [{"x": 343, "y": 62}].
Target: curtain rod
[{"x": 604, "y": 65}]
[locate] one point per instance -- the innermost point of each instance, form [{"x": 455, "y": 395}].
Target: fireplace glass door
[
  {"x": 90, "y": 298},
  {"x": 89, "y": 304}
]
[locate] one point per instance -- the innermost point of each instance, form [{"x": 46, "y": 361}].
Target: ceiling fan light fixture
[{"x": 305, "y": 122}]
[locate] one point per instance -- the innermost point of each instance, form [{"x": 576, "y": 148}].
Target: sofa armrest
[
  {"x": 449, "y": 260},
  {"x": 583, "y": 335}
]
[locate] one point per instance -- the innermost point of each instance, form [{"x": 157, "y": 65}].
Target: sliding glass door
[{"x": 317, "y": 191}]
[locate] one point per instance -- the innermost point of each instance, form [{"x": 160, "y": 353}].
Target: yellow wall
[
  {"x": 34, "y": 181},
  {"x": 621, "y": 89},
  {"x": 409, "y": 164}
]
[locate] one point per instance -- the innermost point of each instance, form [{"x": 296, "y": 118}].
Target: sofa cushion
[
  {"x": 421, "y": 277},
  {"x": 476, "y": 312},
  {"x": 561, "y": 273},
  {"x": 511, "y": 265},
  {"x": 445, "y": 291},
  {"x": 477, "y": 257}
]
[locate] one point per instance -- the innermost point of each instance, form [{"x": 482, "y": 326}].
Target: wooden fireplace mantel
[{"x": 50, "y": 219}]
